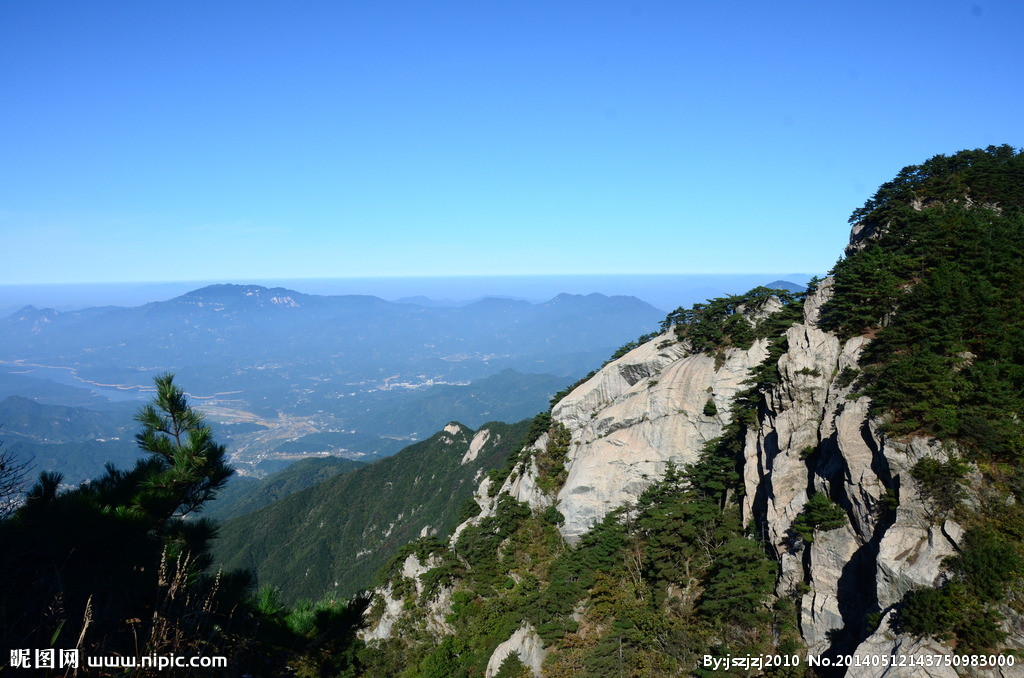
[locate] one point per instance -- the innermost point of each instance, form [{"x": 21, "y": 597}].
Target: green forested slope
[
  {"x": 243, "y": 494},
  {"x": 333, "y": 537},
  {"x": 75, "y": 441},
  {"x": 939, "y": 283}
]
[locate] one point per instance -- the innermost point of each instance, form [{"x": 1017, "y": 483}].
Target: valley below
[{"x": 284, "y": 375}]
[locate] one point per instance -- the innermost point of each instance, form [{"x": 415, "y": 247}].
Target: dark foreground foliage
[
  {"x": 119, "y": 561},
  {"x": 119, "y": 566}
]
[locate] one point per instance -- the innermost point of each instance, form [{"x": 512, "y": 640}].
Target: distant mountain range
[
  {"x": 785, "y": 285},
  {"x": 286, "y": 374},
  {"x": 224, "y": 328},
  {"x": 661, "y": 291},
  {"x": 76, "y": 441}
]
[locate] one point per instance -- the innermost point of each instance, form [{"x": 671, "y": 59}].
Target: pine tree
[
  {"x": 186, "y": 467},
  {"x": 113, "y": 564}
]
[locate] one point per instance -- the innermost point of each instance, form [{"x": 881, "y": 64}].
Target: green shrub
[
  {"x": 847, "y": 376},
  {"x": 720, "y": 323},
  {"x": 469, "y": 509},
  {"x": 952, "y": 612},
  {"x": 987, "y": 564},
  {"x": 819, "y": 513},
  {"x": 941, "y": 483},
  {"x": 741, "y": 578},
  {"x": 513, "y": 667},
  {"x": 443, "y": 662},
  {"x": 553, "y": 516},
  {"x": 979, "y": 632},
  {"x": 931, "y": 612},
  {"x": 551, "y": 461}
]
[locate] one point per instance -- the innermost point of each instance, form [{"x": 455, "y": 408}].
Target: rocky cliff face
[
  {"x": 661, "y": 403},
  {"x": 637, "y": 414},
  {"x": 650, "y": 407},
  {"x": 646, "y": 409},
  {"x": 815, "y": 438},
  {"x": 824, "y": 489}
]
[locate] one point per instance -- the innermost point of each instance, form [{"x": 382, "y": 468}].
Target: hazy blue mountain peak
[
  {"x": 565, "y": 296},
  {"x": 244, "y": 294},
  {"x": 786, "y": 285},
  {"x": 32, "y": 313},
  {"x": 499, "y": 302}
]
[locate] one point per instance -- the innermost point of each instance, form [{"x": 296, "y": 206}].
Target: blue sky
[{"x": 241, "y": 141}]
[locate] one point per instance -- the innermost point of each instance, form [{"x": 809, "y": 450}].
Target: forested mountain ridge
[
  {"x": 331, "y": 538},
  {"x": 243, "y": 495},
  {"x": 76, "y": 440},
  {"x": 821, "y": 476}
]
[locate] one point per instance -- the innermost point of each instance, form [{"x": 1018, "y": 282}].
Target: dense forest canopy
[
  {"x": 940, "y": 283},
  {"x": 937, "y": 279}
]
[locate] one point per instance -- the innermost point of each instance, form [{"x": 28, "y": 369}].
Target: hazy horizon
[{"x": 664, "y": 292}]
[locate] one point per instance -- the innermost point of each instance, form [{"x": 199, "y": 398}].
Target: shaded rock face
[
  {"x": 814, "y": 438},
  {"x": 860, "y": 235}
]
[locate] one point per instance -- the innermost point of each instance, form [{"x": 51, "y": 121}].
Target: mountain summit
[{"x": 253, "y": 295}]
